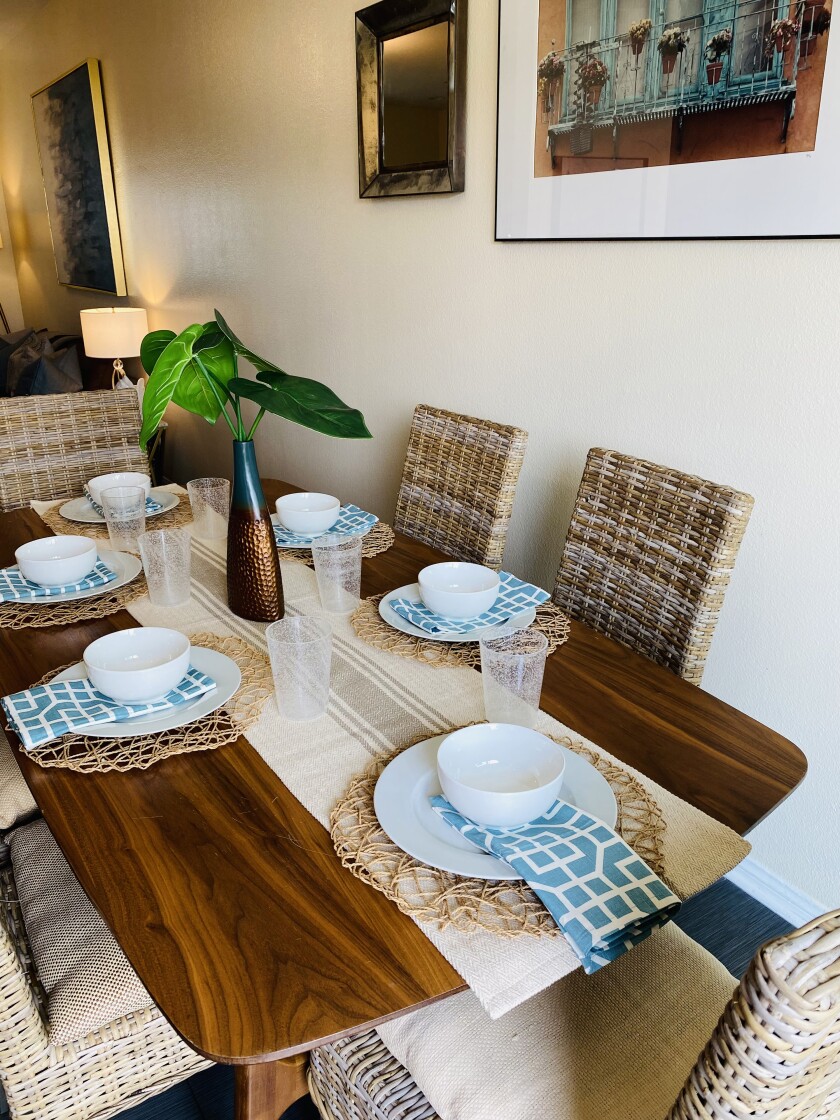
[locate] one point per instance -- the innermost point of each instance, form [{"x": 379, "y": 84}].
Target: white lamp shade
[{"x": 113, "y": 332}]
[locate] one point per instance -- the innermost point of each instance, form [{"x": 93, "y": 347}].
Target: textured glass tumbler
[
  {"x": 512, "y": 666},
  {"x": 166, "y": 561},
  {"x": 300, "y": 649},
  {"x": 338, "y": 566},
  {"x": 125, "y": 515},
  {"x": 210, "y": 502}
]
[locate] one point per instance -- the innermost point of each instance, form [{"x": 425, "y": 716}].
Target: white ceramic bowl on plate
[
  {"x": 308, "y": 513},
  {"x": 499, "y": 774},
  {"x": 56, "y": 561},
  {"x": 140, "y": 664},
  {"x": 458, "y": 590},
  {"x": 117, "y": 478}
]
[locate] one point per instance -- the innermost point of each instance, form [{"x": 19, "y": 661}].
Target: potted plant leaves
[
  {"x": 672, "y": 42},
  {"x": 593, "y": 76},
  {"x": 550, "y": 70},
  {"x": 782, "y": 33},
  {"x": 198, "y": 370},
  {"x": 639, "y": 34},
  {"x": 816, "y": 20},
  {"x": 717, "y": 48}
]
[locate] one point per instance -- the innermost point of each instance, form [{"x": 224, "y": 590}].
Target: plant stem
[
  {"x": 211, "y": 382},
  {"x": 239, "y": 423},
  {"x": 256, "y": 423}
]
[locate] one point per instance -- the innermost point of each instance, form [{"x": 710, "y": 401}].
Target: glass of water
[
  {"x": 512, "y": 667},
  {"x": 300, "y": 649},
  {"x": 338, "y": 567},
  {"x": 166, "y": 561},
  {"x": 210, "y": 502},
  {"x": 124, "y": 508}
]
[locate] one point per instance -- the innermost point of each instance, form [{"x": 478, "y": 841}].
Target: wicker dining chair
[
  {"x": 51, "y": 445},
  {"x": 458, "y": 484},
  {"x": 648, "y": 557},
  {"x": 774, "y": 1054},
  {"x": 126, "y": 1059}
]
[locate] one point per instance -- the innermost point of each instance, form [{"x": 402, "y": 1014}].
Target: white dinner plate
[
  {"x": 221, "y": 668},
  {"x": 126, "y": 566},
  {"x": 401, "y": 803},
  {"x": 311, "y": 537},
  {"x": 412, "y": 591},
  {"x": 80, "y": 509}
]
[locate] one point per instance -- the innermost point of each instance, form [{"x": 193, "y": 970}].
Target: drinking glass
[
  {"x": 210, "y": 502},
  {"x": 124, "y": 508},
  {"x": 300, "y": 649},
  {"x": 512, "y": 666},
  {"x": 166, "y": 561},
  {"x": 338, "y": 566}
]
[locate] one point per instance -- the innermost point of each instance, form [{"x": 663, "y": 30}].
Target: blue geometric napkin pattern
[
  {"x": 151, "y": 505},
  {"x": 515, "y": 597},
  {"x": 39, "y": 715},
  {"x": 15, "y": 589},
  {"x": 351, "y": 522},
  {"x": 601, "y": 895}
]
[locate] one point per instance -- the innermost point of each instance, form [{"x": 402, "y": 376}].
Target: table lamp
[{"x": 114, "y": 332}]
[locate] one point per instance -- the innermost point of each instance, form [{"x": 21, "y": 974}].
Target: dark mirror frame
[{"x": 375, "y": 25}]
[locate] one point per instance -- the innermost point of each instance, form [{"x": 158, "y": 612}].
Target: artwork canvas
[
  {"x": 72, "y": 138},
  {"x": 622, "y": 119}
]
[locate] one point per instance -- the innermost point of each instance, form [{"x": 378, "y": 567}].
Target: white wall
[{"x": 233, "y": 130}]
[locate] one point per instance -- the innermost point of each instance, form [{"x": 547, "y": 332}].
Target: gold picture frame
[{"x": 72, "y": 137}]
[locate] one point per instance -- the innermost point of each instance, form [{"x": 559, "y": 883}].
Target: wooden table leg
[{"x": 265, "y": 1090}]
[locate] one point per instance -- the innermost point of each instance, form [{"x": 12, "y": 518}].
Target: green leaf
[
  {"x": 164, "y": 379},
  {"x": 192, "y": 391},
  {"x": 152, "y": 346},
  {"x": 304, "y": 402},
  {"x": 256, "y": 361}
]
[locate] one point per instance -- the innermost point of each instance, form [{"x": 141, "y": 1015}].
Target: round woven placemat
[
  {"x": 20, "y": 616},
  {"x": 371, "y": 628},
  {"x": 509, "y": 909},
  {"x": 379, "y": 539},
  {"x": 86, "y": 754},
  {"x": 172, "y": 519}
]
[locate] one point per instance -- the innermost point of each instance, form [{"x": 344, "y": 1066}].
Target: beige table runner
[{"x": 379, "y": 701}]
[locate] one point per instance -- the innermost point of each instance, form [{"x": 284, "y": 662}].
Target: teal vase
[{"x": 254, "y": 584}]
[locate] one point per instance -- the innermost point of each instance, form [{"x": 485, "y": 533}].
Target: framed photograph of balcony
[{"x": 638, "y": 119}]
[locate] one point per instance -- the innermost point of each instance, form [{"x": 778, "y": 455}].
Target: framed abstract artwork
[
  {"x": 72, "y": 137},
  {"x": 638, "y": 119}
]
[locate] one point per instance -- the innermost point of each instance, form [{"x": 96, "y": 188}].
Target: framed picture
[
  {"x": 72, "y": 138},
  {"x": 636, "y": 119}
]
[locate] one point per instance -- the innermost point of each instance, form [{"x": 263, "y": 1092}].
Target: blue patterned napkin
[
  {"x": 515, "y": 597},
  {"x": 151, "y": 505},
  {"x": 352, "y": 522},
  {"x": 39, "y": 715},
  {"x": 15, "y": 589},
  {"x": 602, "y": 896}
]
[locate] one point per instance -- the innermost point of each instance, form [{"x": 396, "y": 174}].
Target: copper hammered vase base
[{"x": 255, "y": 589}]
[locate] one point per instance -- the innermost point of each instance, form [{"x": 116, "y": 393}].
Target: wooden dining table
[{"x": 227, "y": 896}]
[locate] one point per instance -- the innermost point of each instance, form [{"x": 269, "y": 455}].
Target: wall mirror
[{"x": 411, "y": 75}]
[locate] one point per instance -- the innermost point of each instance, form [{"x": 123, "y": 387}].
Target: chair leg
[{"x": 265, "y": 1090}]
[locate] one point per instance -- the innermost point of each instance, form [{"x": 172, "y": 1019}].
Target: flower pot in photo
[
  {"x": 593, "y": 95},
  {"x": 669, "y": 61},
  {"x": 637, "y": 46},
  {"x": 780, "y": 43},
  {"x": 713, "y": 72}
]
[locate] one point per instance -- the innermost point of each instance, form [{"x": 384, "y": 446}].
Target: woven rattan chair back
[
  {"x": 51, "y": 445},
  {"x": 776, "y": 1051},
  {"x": 458, "y": 484},
  {"x": 648, "y": 557}
]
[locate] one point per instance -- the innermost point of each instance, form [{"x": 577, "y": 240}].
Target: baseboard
[{"x": 774, "y": 893}]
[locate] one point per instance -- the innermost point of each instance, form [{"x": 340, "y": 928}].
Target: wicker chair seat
[
  {"x": 16, "y": 802},
  {"x": 80, "y": 1039},
  {"x": 616, "y": 1045}
]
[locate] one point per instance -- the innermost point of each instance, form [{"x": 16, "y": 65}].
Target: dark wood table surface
[{"x": 227, "y": 896}]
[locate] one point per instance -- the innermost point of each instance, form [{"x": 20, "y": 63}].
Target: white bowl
[
  {"x": 308, "y": 513},
  {"x": 499, "y": 774},
  {"x": 140, "y": 664},
  {"x": 56, "y": 561},
  {"x": 117, "y": 478},
  {"x": 458, "y": 590}
]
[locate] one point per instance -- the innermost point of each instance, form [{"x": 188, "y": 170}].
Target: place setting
[{"x": 303, "y": 518}]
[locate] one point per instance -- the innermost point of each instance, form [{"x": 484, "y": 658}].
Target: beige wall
[
  {"x": 9, "y": 295},
  {"x": 234, "y": 139}
]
